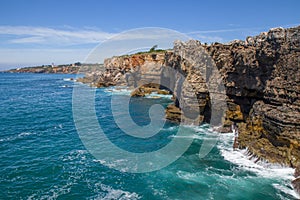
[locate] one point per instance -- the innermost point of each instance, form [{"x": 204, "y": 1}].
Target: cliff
[
  {"x": 262, "y": 80},
  {"x": 261, "y": 84}
]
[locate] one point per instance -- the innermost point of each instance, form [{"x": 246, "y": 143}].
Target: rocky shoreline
[
  {"x": 261, "y": 76},
  {"x": 59, "y": 69},
  {"x": 261, "y": 80}
]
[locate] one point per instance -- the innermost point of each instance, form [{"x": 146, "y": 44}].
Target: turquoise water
[{"x": 42, "y": 156}]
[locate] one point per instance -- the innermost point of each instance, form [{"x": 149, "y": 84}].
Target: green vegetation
[{"x": 153, "y": 48}]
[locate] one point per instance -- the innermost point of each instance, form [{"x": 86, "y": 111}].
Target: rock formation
[{"x": 261, "y": 79}]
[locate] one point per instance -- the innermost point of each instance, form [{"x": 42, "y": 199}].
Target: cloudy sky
[{"x": 35, "y": 32}]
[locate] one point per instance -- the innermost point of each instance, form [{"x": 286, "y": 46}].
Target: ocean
[{"x": 42, "y": 155}]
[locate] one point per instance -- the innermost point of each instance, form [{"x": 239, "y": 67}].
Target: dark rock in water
[
  {"x": 296, "y": 182},
  {"x": 297, "y": 171},
  {"x": 296, "y": 185}
]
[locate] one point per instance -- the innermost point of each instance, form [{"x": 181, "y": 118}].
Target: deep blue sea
[{"x": 43, "y": 157}]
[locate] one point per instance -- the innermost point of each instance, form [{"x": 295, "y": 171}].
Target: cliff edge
[{"x": 261, "y": 77}]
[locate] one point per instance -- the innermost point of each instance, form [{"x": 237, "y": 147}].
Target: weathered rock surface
[
  {"x": 261, "y": 80},
  {"x": 296, "y": 181}
]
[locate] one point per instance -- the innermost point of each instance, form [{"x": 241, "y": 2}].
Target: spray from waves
[
  {"x": 278, "y": 176},
  {"x": 118, "y": 90},
  {"x": 124, "y": 90},
  {"x": 115, "y": 164},
  {"x": 155, "y": 95},
  {"x": 69, "y": 79},
  {"x": 111, "y": 193},
  {"x": 261, "y": 168}
]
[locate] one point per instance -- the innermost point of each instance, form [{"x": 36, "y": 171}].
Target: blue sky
[{"x": 37, "y": 32}]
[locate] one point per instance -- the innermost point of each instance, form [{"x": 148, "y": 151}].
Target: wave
[
  {"x": 66, "y": 86},
  {"x": 111, "y": 193},
  {"x": 118, "y": 90},
  {"x": 68, "y": 79},
  {"x": 75, "y": 155},
  {"x": 123, "y": 163},
  {"x": 287, "y": 189},
  {"x": 244, "y": 160},
  {"x": 19, "y": 136},
  {"x": 261, "y": 168},
  {"x": 155, "y": 95}
]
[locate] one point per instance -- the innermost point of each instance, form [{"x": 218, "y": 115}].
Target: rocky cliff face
[
  {"x": 265, "y": 85},
  {"x": 261, "y": 80}
]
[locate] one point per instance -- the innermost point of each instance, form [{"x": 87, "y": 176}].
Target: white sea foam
[
  {"x": 287, "y": 189},
  {"x": 121, "y": 163},
  {"x": 65, "y": 86},
  {"x": 53, "y": 193},
  {"x": 244, "y": 161},
  {"x": 68, "y": 79},
  {"x": 14, "y": 137},
  {"x": 171, "y": 128},
  {"x": 155, "y": 95},
  {"x": 112, "y": 193},
  {"x": 75, "y": 155},
  {"x": 118, "y": 90},
  {"x": 24, "y": 134},
  {"x": 200, "y": 133}
]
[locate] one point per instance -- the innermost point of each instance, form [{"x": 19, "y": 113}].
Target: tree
[
  {"x": 77, "y": 64},
  {"x": 153, "y": 48}
]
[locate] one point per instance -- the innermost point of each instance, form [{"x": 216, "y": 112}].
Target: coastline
[{"x": 261, "y": 77}]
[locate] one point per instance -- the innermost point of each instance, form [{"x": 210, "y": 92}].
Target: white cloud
[
  {"x": 29, "y": 45},
  {"x": 71, "y": 36},
  {"x": 44, "y": 35},
  {"x": 11, "y": 58}
]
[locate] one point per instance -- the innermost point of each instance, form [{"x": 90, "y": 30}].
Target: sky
[{"x": 36, "y": 32}]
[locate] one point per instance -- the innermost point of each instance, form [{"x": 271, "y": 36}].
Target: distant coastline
[{"x": 57, "y": 69}]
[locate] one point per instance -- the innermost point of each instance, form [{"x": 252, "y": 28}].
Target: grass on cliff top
[{"x": 147, "y": 52}]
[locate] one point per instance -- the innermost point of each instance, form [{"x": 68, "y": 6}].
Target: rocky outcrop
[
  {"x": 296, "y": 181},
  {"x": 260, "y": 77},
  {"x": 262, "y": 81},
  {"x": 130, "y": 70},
  {"x": 272, "y": 126}
]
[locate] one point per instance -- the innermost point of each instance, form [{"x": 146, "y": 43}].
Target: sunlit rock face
[{"x": 261, "y": 79}]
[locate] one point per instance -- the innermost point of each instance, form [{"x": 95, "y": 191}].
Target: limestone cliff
[{"x": 261, "y": 78}]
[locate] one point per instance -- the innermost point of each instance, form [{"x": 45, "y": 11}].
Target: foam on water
[
  {"x": 18, "y": 136},
  {"x": 155, "y": 95},
  {"x": 261, "y": 168},
  {"x": 118, "y": 90},
  {"x": 115, "y": 164},
  {"x": 68, "y": 79},
  {"x": 111, "y": 193}
]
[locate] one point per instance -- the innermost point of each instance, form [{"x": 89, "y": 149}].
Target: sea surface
[{"x": 43, "y": 157}]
